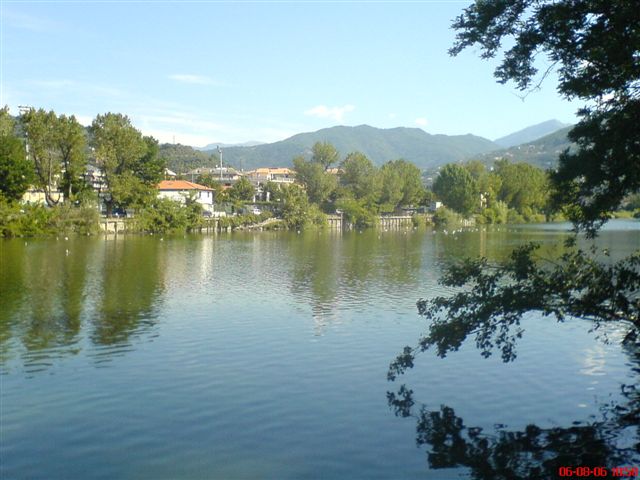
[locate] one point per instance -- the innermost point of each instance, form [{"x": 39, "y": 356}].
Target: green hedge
[{"x": 32, "y": 220}]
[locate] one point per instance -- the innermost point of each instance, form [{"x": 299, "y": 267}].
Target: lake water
[{"x": 264, "y": 356}]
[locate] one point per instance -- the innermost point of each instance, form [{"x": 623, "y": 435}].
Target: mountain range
[
  {"x": 542, "y": 152},
  {"x": 530, "y": 134},
  {"x": 380, "y": 145},
  {"x": 215, "y": 145}
]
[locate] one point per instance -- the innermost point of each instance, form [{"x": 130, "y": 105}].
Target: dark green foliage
[
  {"x": 164, "y": 215},
  {"x": 358, "y": 214},
  {"x": 182, "y": 158},
  {"x": 245, "y": 220},
  {"x": 400, "y": 183},
  {"x": 296, "y": 211},
  {"x": 31, "y": 220},
  {"x": 498, "y": 212},
  {"x": 41, "y": 138},
  {"x": 491, "y": 308},
  {"x": 129, "y": 161},
  {"x": 522, "y": 186},
  {"x": 243, "y": 190},
  {"x": 445, "y": 217},
  {"x": 16, "y": 172},
  {"x": 606, "y": 168},
  {"x": 594, "y": 45},
  {"x": 7, "y": 124},
  {"x": 318, "y": 183},
  {"x": 70, "y": 139},
  {"x": 149, "y": 168},
  {"x": 412, "y": 188},
  {"x": 325, "y": 154},
  {"x": 457, "y": 189},
  {"x": 360, "y": 176}
]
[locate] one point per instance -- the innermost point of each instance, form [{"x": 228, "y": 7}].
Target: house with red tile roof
[{"x": 181, "y": 190}]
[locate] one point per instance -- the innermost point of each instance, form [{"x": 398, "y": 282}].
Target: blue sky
[{"x": 207, "y": 71}]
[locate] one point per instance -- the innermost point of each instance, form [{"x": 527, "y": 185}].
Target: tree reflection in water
[{"x": 533, "y": 453}]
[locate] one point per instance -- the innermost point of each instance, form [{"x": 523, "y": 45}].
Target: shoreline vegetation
[{"x": 59, "y": 159}]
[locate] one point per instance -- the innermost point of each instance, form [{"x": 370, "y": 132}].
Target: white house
[
  {"x": 276, "y": 175},
  {"x": 181, "y": 190}
]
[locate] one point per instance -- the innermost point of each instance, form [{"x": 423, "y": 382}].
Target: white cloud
[
  {"x": 392, "y": 116},
  {"x": 335, "y": 113},
  {"x": 192, "y": 79},
  {"x": 421, "y": 121}
]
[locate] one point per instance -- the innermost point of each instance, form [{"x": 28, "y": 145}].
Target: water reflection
[
  {"x": 334, "y": 271},
  {"x": 43, "y": 292},
  {"x": 56, "y": 292},
  {"x": 131, "y": 291},
  {"x": 496, "y": 242},
  {"x": 613, "y": 440}
]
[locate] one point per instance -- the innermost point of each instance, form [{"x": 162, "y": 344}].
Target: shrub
[
  {"x": 165, "y": 215},
  {"x": 515, "y": 217},
  {"x": 32, "y": 220},
  {"x": 496, "y": 213},
  {"x": 357, "y": 213},
  {"x": 445, "y": 217}
]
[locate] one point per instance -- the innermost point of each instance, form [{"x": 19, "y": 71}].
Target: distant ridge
[
  {"x": 543, "y": 152},
  {"x": 427, "y": 151},
  {"x": 215, "y": 145},
  {"x": 529, "y": 134},
  {"x": 380, "y": 145}
]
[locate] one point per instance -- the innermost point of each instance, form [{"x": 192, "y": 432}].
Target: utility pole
[{"x": 25, "y": 109}]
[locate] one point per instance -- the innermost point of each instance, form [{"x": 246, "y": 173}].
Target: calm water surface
[{"x": 265, "y": 355}]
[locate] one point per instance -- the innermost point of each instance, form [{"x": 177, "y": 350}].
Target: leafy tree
[
  {"x": 455, "y": 186},
  {"x": 497, "y": 212},
  {"x": 295, "y": 207},
  {"x": 390, "y": 188},
  {"x": 40, "y": 129},
  {"x": 317, "y": 181},
  {"x": 7, "y": 124},
  {"x": 488, "y": 184},
  {"x": 522, "y": 186},
  {"x": 208, "y": 180},
  {"x": 359, "y": 176},
  {"x": 356, "y": 212},
  {"x": 594, "y": 47},
  {"x": 476, "y": 169},
  {"x": 150, "y": 167},
  {"x": 242, "y": 190},
  {"x": 325, "y": 154},
  {"x": 400, "y": 183},
  {"x": 271, "y": 191},
  {"x": 16, "y": 172},
  {"x": 412, "y": 188},
  {"x": 71, "y": 142},
  {"x": 594, "y": 44},
  {"x": 119, "y": 148}
]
